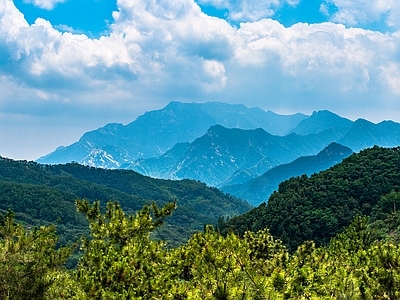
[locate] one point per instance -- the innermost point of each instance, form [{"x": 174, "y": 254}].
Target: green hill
[
  {"x": 41, "y": 194},
  {"x": 317, "y": 207}
]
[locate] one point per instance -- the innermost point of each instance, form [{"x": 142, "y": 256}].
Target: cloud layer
[
  {"x": 249, "y": 10},
  {"x": 45, "y": 4},
  {"x": 359, "y": 12},
  {"x": 163, "y": 50}
]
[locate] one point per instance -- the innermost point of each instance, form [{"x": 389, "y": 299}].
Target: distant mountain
[
  {"x": 155, "y": 132},
  {"x": 364, "y": 134},
  {"x": 40, "y": 194},
  {"x": 219, "y": 144},
  {"x": 227, "y": 157},
  {"x": 321, "y": 121},
  {"x": 221, "y": 154},
  {"x": 259, "y": 189}
]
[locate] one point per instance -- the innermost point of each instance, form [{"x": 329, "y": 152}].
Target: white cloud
[
  {"x": 323, "y": 9},
  {"x": 249, "y": 10},
  {"x": 160, "y": 42},
  {"x": 66, "y": 28},
  {"x": 45, "y": 4},
  {"x": 360, "y": 12},
  {"x": 391, "y": 75}
]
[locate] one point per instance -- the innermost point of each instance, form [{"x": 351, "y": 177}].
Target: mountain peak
[
  {"x": 335, "y": 149},
  {"x": 320, "y": 121}
]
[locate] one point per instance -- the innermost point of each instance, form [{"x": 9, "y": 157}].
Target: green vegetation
[
  {"x": 120, "y": 261},
  {"x": 123, "y": 258},
  {"x": 318, "y": 207},
  {"x": 45, "y": 194},
  {"x": 27, "y": 258}
]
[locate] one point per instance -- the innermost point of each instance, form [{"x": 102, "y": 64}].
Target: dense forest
[
  {"x": 318, "y": 207},
  {"x": 44, "y": 194},
  {"x": 338, "y": 239},
  {"x": 120, "y": 261}
]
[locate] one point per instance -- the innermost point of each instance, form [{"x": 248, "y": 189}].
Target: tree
[
  {"x": 27, "y": 257},
  {"x": 120, "y": 260}
]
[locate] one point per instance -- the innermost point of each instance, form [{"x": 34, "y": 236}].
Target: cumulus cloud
[
  {"x": 249, "y": 10},
  {"x": 359, "y": 12},
  {"x": 160, "y": 50},
  {"x": 45, "y": 4}
]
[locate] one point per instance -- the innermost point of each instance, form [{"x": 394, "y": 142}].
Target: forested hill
[
  {"x": 42, "y": 193},
  {"x": 317, "y": 207}
]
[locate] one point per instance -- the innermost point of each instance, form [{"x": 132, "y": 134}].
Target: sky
[{"x": 71, "y": 66}]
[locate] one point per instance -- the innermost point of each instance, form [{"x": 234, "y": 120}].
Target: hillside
[
  {"x": 46, "y": 193},
  {"x": 259, "y": 189},
  {"x": 317, "y": 207}
]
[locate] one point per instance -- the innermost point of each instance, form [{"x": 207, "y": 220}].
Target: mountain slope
[
  {"x": 259, "y": 189},
  {"x": 317, "y": 207},
  {"x": 155, "y": 132},
  {"x": 45, "y": 193},
  {"x": 225, "y": 155}
]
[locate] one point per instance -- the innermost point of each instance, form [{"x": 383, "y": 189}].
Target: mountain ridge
[
  {"x": 176, "y": 142},
  {"x": 258, "y": 190},
  {"x": 156, "y": 132},
  {"x": 214, "y": 157}
]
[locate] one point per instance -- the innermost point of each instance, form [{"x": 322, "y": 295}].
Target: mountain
[
  {"x": 219, "y": 144},
  {"x": 259, "y": 189},
  {"x": 321, "y": 121},
  {"x": 40, "y": 194},
  {"x": 363, "y": 134},
  {"x": 317, "y": 207},
  {"x": 221, "y": 154},
  {"x": 229, "y": 157},
  {"x": 155, "y": 132}
]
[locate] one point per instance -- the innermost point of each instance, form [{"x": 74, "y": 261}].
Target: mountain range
[
  {"x": 155, "y": 132},
  {"x": 220, "y": 144},
  {"x": 226, "y": 156}
]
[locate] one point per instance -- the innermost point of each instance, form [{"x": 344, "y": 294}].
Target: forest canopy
[
  {"x": 318, "y": 207},
  {"x": 121, "y": 261},
  {"x": 333, "y": 235}
]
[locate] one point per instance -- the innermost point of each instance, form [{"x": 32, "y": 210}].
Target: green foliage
[
  {"x": 318, "y": 207},
  {"x": 123, "y": 259},
  {"x": 45, "y": 194},
  {"x": 27, "y": 257},
  {"x": 120, "y": 261}
]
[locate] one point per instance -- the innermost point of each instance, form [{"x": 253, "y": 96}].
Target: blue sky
[{"x": 70, "y": 66}]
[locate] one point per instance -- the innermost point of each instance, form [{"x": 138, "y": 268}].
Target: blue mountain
[{"x": 155, "y": 132}]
